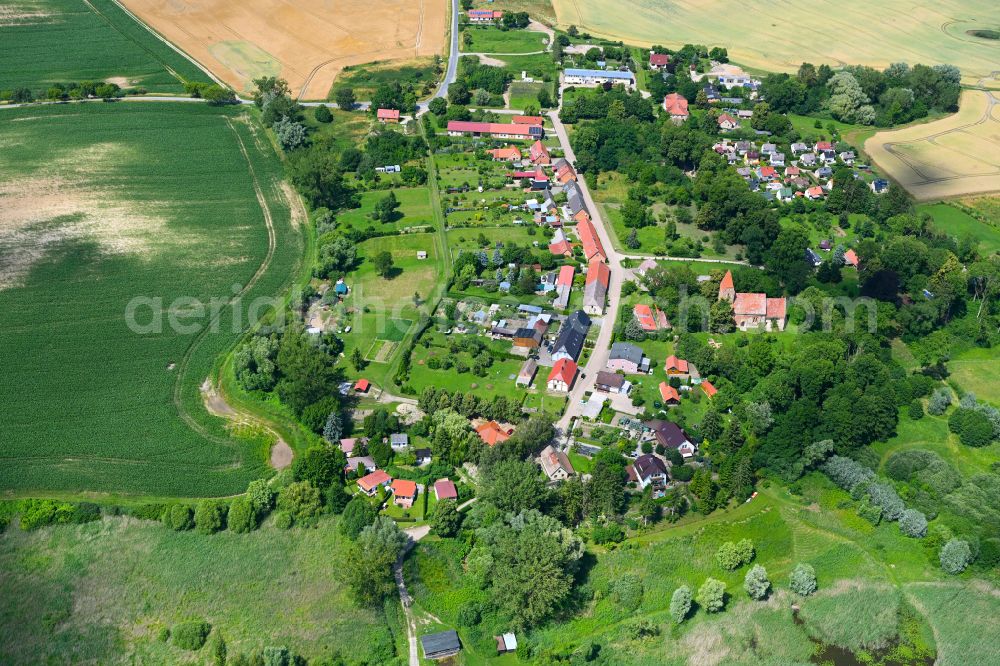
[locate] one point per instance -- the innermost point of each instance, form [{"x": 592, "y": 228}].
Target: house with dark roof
[
  {"x": 440, "y": 645},
  {"x": 627, "y": 358},
  {"x": 572, "y": 334},
  {"x": 423, "y": 456},
  {"x": 651, "y": 471},
  {"x": 670, "y": 436},
  {"x": 610, "y": 382},
  {"x": 527, "y": 338}
]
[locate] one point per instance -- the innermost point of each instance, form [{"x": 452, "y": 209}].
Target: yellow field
[
  {"x": 955, "y": 156},
  {"x": 779, "y": 36},
  {"x": 306, "y": 42}
]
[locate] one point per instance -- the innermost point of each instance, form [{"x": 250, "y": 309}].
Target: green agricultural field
[
  {"x": 100, "y": 593},
  {"x": 897, "y": 31},
  {"x": 495, "y": 40},
  {"x": 52, "y": 41},
  {"x": 956, "y": 222},
  {"x": 414, "y": 210},
  {"x": 103, "y": 203}
]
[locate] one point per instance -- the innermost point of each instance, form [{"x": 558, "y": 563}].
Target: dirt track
[{"x": 307, "y": 42}]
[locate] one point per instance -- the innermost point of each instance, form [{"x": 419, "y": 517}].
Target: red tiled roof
[
  {"x": 592, "y": 246},
  {"x": 775, "y": 308},
  {"x": 814, "y": 191},
  {"x": 669, "y": 393},
  {"x": 362, "y": 385},
  {"x": 373, "y": 480},
  {"x": 824, "y": 145},
  {"x": 539, "y": 153},
  {"x": 659, "y": 59},
  {"x": 508, "y": 153},
  {"x": 492, "y": 433},
  {"x": 750, "y": 304},
  {"x": 445, "y": 489},
  {"x": 708, "y": 388},
  {"x": 526, "y": 120},
  {"x": 562, "y": 248},
  {"x": 727, "y": 282},
  {"x": 598, "y": 271},
  {"x": 564, "y": 370},
  {"x": 675, "y": 105},
  {"x": 767, "y": 171},
  {"x": 726, "y": 118},
  {"x": 566, "y": 276},
  {"x": 851, "y": 258},
  {"x": 404, "y": 488},
  {"x": 644, "y": 315},
  {"x": 389, "y": 114},
  {"x": 674, "y": 363}
]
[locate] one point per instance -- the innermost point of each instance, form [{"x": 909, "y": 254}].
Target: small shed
[
  {"x": 506, "y": 643},
  {"x": 421, "y": 254},
  {"x": 440, "y": 645}
]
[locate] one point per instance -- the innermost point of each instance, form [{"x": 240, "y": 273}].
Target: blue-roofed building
[
  {"x": 597, "y": 77},
  {"x": 531, "y": 309}
]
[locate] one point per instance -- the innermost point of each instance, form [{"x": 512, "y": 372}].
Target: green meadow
[
  {"x": 495, "y": 40},
  {"x": 53, "y": 41},
  {"x": 176, "y": 204}
]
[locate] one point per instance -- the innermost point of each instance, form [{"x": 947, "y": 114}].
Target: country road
[{"x": 415, "y": 534}]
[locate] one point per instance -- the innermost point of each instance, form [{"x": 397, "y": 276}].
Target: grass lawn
[
  {"x": 524, "y": 94},
  {"x": 62, "y": 41},
  {"x": 976, "y": 370},
  {"x": 468, "y": 238},
  {"x": 410, "y": 275},
  {"x": 537, "y": 66},
  {"x": 414, "y": 209},
  {"x": 155, "y": 200},
  {"x": 346, "y": 130},
  {"x": 422, "y": 72},
  {"x": 956, "y": 222},
  {"x": 497, "y": 381},
  {"x": 494, "y": 40},
  {"x": 101, "y": 592}
]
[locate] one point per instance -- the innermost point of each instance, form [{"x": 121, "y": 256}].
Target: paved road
[
  {"x": 602, "y": 347},
  {"x": 452, "y": 72}
]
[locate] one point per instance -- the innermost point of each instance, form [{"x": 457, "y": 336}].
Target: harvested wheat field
[
  {"x": 771, "y": 36},
  {"x": 307, "y": 42},
  {"x": 955, "y": 156}
]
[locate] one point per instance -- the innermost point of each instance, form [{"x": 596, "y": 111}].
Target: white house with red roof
[
  {"x": 677, "y": 106},
  {"x": 387, "y": 115},
  {"x": 495, "y": 130},
  {"x": 753, "y": 310},
  {"x": 484, "y": 15},
  {"x": 539, "y": 154},
  {"x": 658, "y": 60},
  {"x": 562, "y": 376},
  {"x": 595, "y": 290},
  {"x": 727, "y": 122}
]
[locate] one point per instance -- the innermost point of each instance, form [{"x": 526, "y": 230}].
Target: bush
[
  {"x": 731, "y": 556},
  {"x": 301, "y": 501},
  {"x": 37, "y": 513},
  {"x": 712, "y": 595},
  {"x": 283, "y": 520},
  {"x": 610, "y": 533},
  {"x": 955, "y": 556},
  {"x": 190, "y": 635},
  {"x": 261, "y": 497},
  {"x": 358, "y": 514},
  {"x": 627, "y": 591},
  {"x": 846, "y": 473},
  {"x": 939, "y": 401},
  {"x": 180, "y": 517},
  {"x": 151, "y": 511},
  {"x": 682, "y": 472},
  {"x": 323, "y": 114},
  {"x": 803, "y": 579},
  {"x": 469, "y": 614},
  {"x": 916, "y": 410},
  {"x": 973, "y": 427},
  {"x": 913, "y": 524},
  {"x": 241, "y": 518},
  {"x": 756, "y": 582},
  {"x": 210, "y": 516},
  {"x": 680, "y": 603}
]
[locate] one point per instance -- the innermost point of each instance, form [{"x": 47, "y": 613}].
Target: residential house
[
  {"x": 814, "y": 259},
  {"x": 404, "y": 492},
  {"x": 352, "y": 445},
  {"x": 768, "y": 149},
  {"x": 572, "y": 335},
  {"x": 767, "y": 173},
  {"x": 399, "y": 441},
  {"x": 751, "y": 310},
  {"x": 627, "y": 358},
  {"x": 423, "y": 457},
  {"x": 670, "y": 436},
  {"x": 539, "y": 154},
  {"x": 495, "y": 130},
  {"x": 646, "y": 266},
  {"x": 506, "y": 154},
  {"x": 777, "y": 159},
  {"x": 562, "y": 376},
  {"x": 676, "y": 366},
  {"x": 847, "y": 157},
  {"x": 555, "y": 464},
  {"x": 563, "y": 171},
  {"x": 709, "y": 388},
  {"x": 677, "y": 106},
  {"x": 593, "y": 248},
  {"x": 527, "y": 373},
  {"x": 362, "y": 386},
  {"x": 851, "y": 258},
  {"x": 650, "y": 319},
  {"x": 825, "y": 245},
  {"x": 370, "y": 483},
  {"x": 798, "y": 148},
  {"x": 610, "y": 382},
  {"x": 828, "y": 156},
  {"x": 651, "y": 471},
  {"x": 815, "y": 193},
  {"x": 727, "y": 122},
  {"x": 445, "y": 489},
  {"x": 559, "y": 245},
  {"x": 879, "y": 185},
  {"x": 807, "y": 160},
  {"x": 658, "y": 60},
  {"x": 387, "y": 115},
  {"x": 564, "y": 287},
  {"x": 752, "y": 157},
  {"x": 595, "y": 290},
  {"x": 364, "y": 461},
  {"x": 597, "y": 77},
  {"x": 744, "y": 147},
  {"x": 792, "y": 171},
  {"x": 669, "y": 395},
  {"x": 574, "y": 199},
  {"x": 493, "y": 433},
  {"x": 441, "y": 645},
  {"x": 824, "y": 172},
  {"x": 822, "y": 145}
]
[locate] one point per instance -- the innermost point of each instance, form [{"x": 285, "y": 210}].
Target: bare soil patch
[{"x": 306, "y": 42}]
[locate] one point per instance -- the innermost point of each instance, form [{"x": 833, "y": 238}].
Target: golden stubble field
[
  {"x": 307, "y": 42},
  {"x": 951, "y": 157},
  {"x": 779, "y": 36}
]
